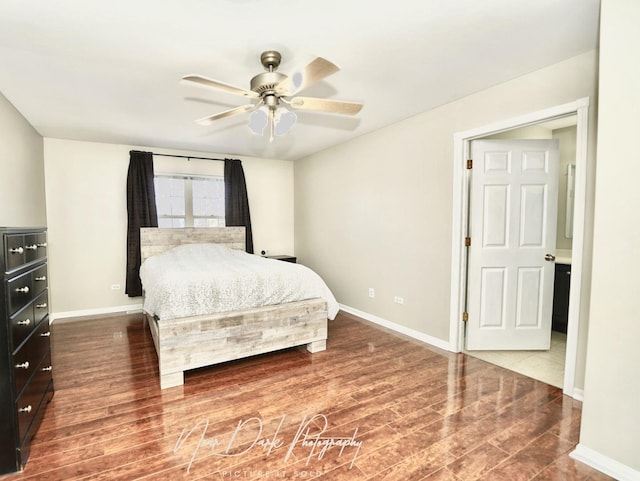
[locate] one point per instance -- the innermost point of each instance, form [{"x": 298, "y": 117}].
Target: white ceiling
[{"x": 110, "y": 71}]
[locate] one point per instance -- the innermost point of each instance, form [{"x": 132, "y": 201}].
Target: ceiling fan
[{"x": 275, "y": 92}]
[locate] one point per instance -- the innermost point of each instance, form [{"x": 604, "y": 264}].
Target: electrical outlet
[
  {"x": 115, "y": 287},
  {"x": 398, "y": 300},
  {"x": 372, "y": 293}
]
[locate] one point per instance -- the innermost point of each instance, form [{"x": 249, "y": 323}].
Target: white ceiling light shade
[
  {"x": 284, "y": 121},
  {"x": 279, "y": 120},
  {"x": 258, "y": 120}
]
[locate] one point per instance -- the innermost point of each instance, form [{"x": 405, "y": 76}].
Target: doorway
[
  {"x": 462, "y": 141},
  {"x": 542, "y": 323}
]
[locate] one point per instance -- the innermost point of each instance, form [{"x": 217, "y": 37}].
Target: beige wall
[
  {"x": 377, "y": 211},
  {"x": 22, "y": 200},
  {"x": 87, "y": 213},
  {"x": 611, "y": 418}
]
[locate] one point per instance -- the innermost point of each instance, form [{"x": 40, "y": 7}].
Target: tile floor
[{"x": 545, "y": 366}]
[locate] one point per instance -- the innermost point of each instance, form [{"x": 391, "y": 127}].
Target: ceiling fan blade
[
  {"x": 325, "y": 105},
  {"x": 313, "y": 72},
  {"x": 227, "y": 113},
  {"x": 207, "y": 82}
]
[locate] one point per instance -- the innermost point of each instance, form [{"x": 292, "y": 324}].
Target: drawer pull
[
  {"x": 23, "y": 365},
  {"x": 42, "y": 244},
  {"x": 26, "y": 409},
  {"x": 17, "y": 250},
  {"x": 23, "y": 290},
  {"x": 45, "y": 334},
  {"x": 41, "y": 278},
  {"x": 41, "y": 306},
  {"x": 26, "y": 322},
  {"x": 32, "y": 247},
  {"x": 47, "y": 369}
]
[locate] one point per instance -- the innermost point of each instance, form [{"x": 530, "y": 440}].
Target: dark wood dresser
[{"x": 26, "y": 381}]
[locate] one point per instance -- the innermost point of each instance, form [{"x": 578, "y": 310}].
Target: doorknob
[{"x": 549, "y": 257}]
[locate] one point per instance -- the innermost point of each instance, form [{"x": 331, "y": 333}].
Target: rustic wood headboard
[{"x": 154, "y": 240}]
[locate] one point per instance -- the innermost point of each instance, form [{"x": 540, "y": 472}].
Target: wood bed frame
[{"x": 199, "y": 341}]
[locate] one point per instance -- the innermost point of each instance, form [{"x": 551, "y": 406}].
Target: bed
[{"x": 188, "y": 340}]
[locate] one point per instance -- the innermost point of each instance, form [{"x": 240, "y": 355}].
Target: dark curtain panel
[
  {"x": 141, "y": 210},
  {"x": 236, "y": 203}
]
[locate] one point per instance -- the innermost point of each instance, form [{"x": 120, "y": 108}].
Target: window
[{"x": 189, "y": 201}]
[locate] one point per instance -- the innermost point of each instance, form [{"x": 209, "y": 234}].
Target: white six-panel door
[{"x": 513, "y": 210}]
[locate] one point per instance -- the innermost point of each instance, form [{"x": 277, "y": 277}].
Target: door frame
[{"x": 461, "y": 149}]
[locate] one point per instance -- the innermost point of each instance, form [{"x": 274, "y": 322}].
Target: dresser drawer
[
  {"x": 39, "y": 279},
  {"x": 14, "y": 252},
  {"x": 22, "y": 249},
  {"x": 41, "y": 306},
  {"x": 24, "y": 448},
  {"x": 24, "y": 288},
  {"x": 25, "y": 320},
  {"x": 27, "y": 359},
  {"x": 22, "y": 324},
  {"x": 35, "y": 246},
  {"x": 33, "y": 396},
  {"x": 19, "y": 292}
]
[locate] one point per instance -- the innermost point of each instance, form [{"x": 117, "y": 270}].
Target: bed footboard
[{"x": 199, "y": 341}]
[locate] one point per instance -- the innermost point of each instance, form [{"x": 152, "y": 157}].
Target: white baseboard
[
  {"x": 407, "y": 331},
  {"x": 72, "y": 316},
  {"x": 577, "y": 394},
  {"x": 604, "y": 464}
]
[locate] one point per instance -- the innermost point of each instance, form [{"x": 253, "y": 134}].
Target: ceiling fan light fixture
[
  {"x": 275, "y": 93},
  {"x": 279, "y": 120}
]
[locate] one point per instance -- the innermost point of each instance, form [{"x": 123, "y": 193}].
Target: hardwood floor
[{"x": 373, "y": 406}]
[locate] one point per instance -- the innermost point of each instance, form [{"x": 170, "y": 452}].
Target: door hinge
[
  {"x": 465, "y": 316},
  {"x": 467, "y": 241},
  {"x": 469, "y": 164}
]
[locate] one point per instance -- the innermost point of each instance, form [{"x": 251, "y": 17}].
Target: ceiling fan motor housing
[{"x": 267, "y": 81}]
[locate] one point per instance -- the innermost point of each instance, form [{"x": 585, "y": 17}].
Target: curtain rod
[{"x": 188, "y": 157}]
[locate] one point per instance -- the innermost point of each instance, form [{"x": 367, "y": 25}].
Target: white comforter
[{"x": 198, "y": 279}]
